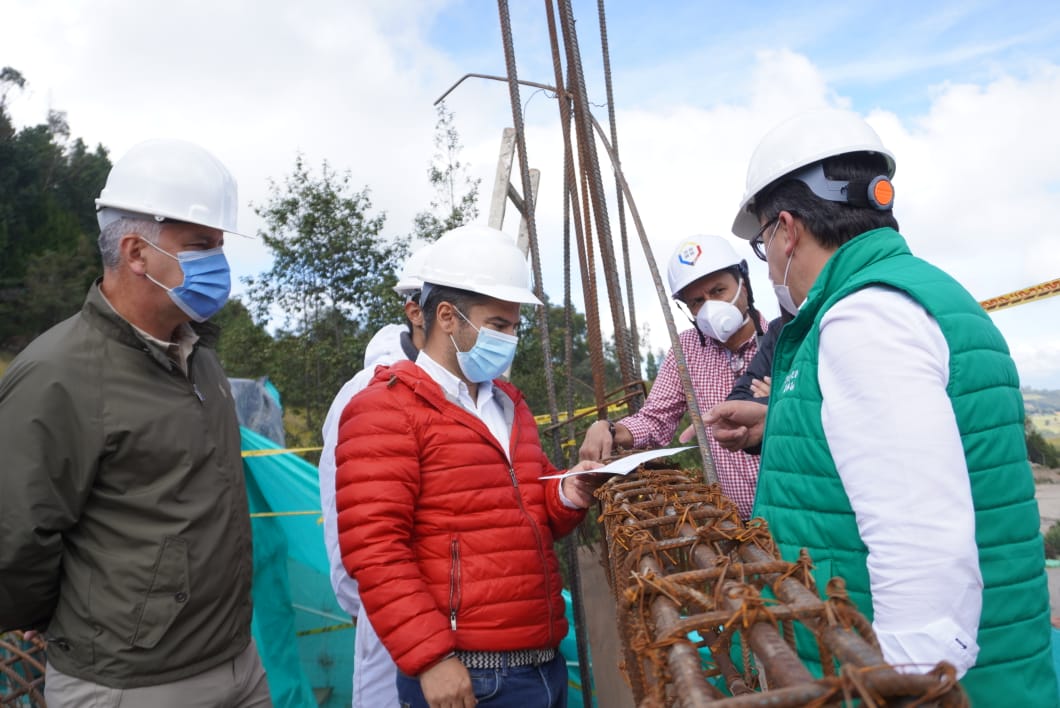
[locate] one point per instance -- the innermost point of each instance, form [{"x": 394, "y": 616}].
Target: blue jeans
[{"x": 543, "y": 686}]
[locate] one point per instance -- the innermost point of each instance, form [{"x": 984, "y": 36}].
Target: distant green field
[
  {"x": 1041, "y": 402},
  {"x": 1048, "y": 424}
]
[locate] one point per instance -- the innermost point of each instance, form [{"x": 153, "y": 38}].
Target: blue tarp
[{"x": 304, "y": 637}]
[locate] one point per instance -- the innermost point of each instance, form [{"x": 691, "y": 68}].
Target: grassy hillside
[
  {"x": 1048, "y": 425},
  {"x": 299, "y": 434},
  {"x": 1043, "y": 408},
  {"x": 1041, "y": 402}
]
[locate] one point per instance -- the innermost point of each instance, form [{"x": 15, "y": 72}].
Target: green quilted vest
[{"x": 802, "y": 498}]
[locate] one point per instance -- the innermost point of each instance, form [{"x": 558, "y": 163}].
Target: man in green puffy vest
[{"x": 895, "y": 448}]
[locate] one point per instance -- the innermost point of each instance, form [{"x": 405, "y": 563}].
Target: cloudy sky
[{"x": 965, "y": 93}]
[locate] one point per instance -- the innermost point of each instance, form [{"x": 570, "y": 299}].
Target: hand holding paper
[
  {"x": 622, "y": 466},
  {"x": 579, "y": 486}
]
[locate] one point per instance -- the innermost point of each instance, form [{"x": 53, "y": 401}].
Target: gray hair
[{"x": 110, "y": 236}]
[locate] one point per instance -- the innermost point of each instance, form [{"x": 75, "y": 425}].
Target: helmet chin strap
[{"x": 702, "y": 337}]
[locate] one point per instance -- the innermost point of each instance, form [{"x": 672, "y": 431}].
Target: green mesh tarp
[{"x": 305, "y": 639}]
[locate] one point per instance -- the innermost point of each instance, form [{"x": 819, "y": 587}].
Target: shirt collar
[
  {"x": 177, "y": 351},
  {"x": 453, "y": 385}
]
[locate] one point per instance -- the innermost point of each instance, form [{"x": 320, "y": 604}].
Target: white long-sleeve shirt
[
  {"x": 485, "y": 406},
  {"x": 890, "y": 425},
  {"x": 374, "y": 673}
]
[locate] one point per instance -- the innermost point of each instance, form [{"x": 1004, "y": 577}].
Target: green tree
[
  {"x": 1038, "y": 449},
  {"x": 1052, "y": 541},
  {"x": 328, "y": 253},
  {"x": 84, "y": 173},
  {"x": 10, "y": 79},
  {"x": 449, "y": 176},
  {"x": 47, "y": 221},
  {"x": 651, "y": 365},
  {"x": 528, "y": 370},
  {"x": 245, "y": 347},
  {"x": 330, "y": 283},
  {"x": 56, "y": 280}
]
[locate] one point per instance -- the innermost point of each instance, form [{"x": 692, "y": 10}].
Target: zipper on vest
[{"x": 198, "y": 393}]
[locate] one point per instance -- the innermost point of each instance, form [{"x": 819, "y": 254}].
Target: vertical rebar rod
[
  {"x": 591, "y": 166},
  {"x": 710, "y": 473},
  {"x": 571, "y": 200},
  {"x": 531, "y": 219},
  {"x": 634, "y": 336}
]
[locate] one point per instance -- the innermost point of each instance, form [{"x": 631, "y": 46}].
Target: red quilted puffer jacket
[{"x": 450, "y": 544}]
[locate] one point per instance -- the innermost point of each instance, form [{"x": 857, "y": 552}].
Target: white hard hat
[
  {"x": 170, "y": 179},
  {"x": 698, "y": 256},
  {"x": 410, "y": 282},
  {"x": 482, "y": 260},
  {"x": 799, "y": 141}
]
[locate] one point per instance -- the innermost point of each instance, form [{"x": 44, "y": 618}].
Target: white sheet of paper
[{"x": 626, "y": 464}]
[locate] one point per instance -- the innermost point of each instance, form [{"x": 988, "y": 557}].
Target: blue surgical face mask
[
  {"x": 491, "y": 355},
  {"x": 207, "y": 282}
]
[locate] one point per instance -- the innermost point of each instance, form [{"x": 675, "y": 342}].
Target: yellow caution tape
[
  {"x": 267, "y": 514},
  {"x": 1034, "y": 292},
  {"x": 283, "y": 451},
  {"x": 322, "y": 630},
  {"x": 547, "y": 418}
]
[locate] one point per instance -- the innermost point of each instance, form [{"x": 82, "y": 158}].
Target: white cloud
[
  {"x": 1037, "y": 360},
  {"x": 976, "y": 184},
  {"x": 976, "y": 192},
  {"x": 255, "y": 83},
  {"x": 354, "y": 83}
]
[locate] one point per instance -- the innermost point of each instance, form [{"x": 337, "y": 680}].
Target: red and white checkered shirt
[{"x": 713, "y": 370}]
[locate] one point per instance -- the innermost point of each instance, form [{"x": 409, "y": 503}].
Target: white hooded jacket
[{"x": 374, "y": 670}]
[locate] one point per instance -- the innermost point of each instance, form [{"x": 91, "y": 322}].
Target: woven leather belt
[{"x": 502, "y": 659}]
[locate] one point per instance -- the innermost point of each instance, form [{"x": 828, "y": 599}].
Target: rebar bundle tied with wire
[
  {"x": 708, "y": 612},
  {"x": 21, "y": 670}
]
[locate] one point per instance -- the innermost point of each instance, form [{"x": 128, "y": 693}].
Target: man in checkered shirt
[{"x": 711, "y": 281}]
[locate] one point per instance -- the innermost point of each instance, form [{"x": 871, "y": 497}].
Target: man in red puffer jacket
[{"x": 444, "y": 518}]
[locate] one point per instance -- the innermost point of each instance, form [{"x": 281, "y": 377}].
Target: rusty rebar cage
[
  {"x": 688, "y": 575},
  {"x": 21, "y": 670}
]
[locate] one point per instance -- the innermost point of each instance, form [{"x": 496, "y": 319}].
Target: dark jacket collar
[{"x": 98, "y": 312}]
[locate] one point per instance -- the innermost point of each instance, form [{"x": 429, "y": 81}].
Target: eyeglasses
[{"x": 756, "y": 242}]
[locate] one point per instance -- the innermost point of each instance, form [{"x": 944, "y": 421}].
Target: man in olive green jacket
[{"x": 124, "y": 527}]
